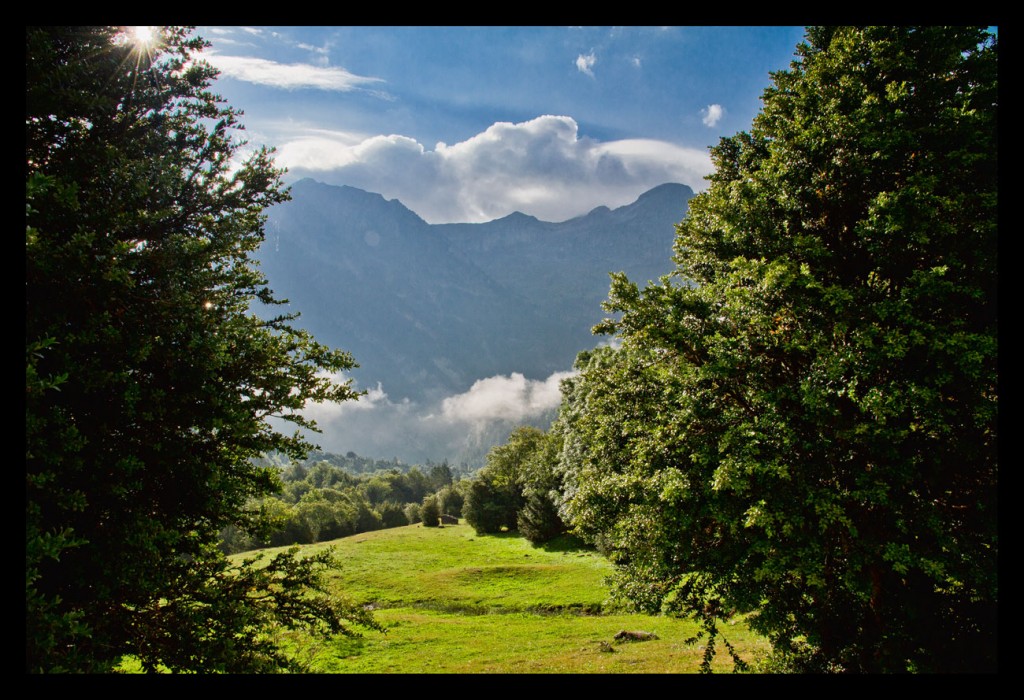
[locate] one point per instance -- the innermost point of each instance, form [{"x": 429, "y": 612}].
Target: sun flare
[
  {"x": 144, "y": 43},
  {"x": 144, "y": 36}
]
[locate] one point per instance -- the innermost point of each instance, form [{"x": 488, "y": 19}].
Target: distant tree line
[
  {"x": 356, "y": 464},
  {"x": 323, "y": 501}
]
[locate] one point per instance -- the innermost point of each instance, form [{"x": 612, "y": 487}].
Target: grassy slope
[{"x": 454, "y": 602}]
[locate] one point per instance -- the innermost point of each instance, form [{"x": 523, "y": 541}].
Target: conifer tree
[{"x": 149, "y": 376}]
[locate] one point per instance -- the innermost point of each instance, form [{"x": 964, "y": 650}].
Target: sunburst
[
  {"x": 144, "y": 42},
  {"x": 143, "y": 36}
]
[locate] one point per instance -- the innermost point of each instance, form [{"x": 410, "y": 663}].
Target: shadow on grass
[
  {"x": 470, "y": 609},
  {"x": 503, "y": 535},
  {"x": 566, "y": 543},
  {"x": 347, "y": 647},
  {"x": 561, "y": 543}
]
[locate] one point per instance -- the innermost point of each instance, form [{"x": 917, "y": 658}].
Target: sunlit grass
[
  {"x": 454, "y": 602},
  {"x": 424, "y": 641}
]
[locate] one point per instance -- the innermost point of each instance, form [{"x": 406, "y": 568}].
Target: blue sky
[{"x": 470, "y": 124}]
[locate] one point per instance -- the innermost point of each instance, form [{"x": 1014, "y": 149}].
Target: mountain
[{"x": 427, "y": 309}]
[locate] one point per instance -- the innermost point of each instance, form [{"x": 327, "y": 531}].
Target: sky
[{"x": 470, "y": 124}]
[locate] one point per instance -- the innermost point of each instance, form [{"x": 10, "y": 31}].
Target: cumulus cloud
[
  {"x": 323, "y": 149},
  {"x": 585, "y": 64},
  {"x": 614, "y": 342},
  {"x": 511, "y": 398},
  {"x": 289, "y": 76},
  {"x": 541, "y": 167},
  {"x": 711, "y": 114}
]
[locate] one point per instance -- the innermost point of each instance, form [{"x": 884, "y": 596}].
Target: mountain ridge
[{"x": 428, "y": 309}]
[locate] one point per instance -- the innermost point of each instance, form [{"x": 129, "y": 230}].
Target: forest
[{"x": 798, "y": 424}]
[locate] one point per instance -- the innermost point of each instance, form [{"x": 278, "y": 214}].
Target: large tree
[
  {"x": 149, "y": 376},
  {"x": 801, "y": 421}
]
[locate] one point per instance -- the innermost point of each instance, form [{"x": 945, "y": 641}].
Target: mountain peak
[
  {"x": 353, "y": 199},
  {"x": 668, "y": 190},
  {"x": 518, "y": 216}
]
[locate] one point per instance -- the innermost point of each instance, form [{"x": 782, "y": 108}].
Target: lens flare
[{"x": 145, "y": 36}]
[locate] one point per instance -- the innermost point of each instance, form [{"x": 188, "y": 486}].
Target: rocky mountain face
[{"x": 428, "y": 309}]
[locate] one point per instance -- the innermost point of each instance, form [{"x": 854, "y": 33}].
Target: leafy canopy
[
  {"x": 801, "y": 420},
  {"x": 149, "y": 377}
]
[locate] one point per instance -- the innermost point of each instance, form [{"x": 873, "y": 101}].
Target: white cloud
[
  {"x": 585, "y": 64},
  {"x": 712, "y": 113},
  {"x": 541, "y": 167},
  {"x": 512, "y": 398},
  {"x": 321, "y": 149},
  {"x": 290, "y": 76},
  {"x": 314, "y": 49}
]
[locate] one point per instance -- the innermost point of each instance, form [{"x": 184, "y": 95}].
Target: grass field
[{"x": 454, "y": 602}]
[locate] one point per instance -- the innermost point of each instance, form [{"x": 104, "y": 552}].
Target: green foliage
[
  {"x": 392, "y": 514},
  {"x": 495, "y": 497},
  {"x": 801, "y": 421},
  {"x": 451, "y": 498},
  {"x": 440, "y": 475},
  {"x": 539, "y": 519},
  {"x": 222, "y": 615},
  {"x": 484, "y": 508},
  {"x": 412, "y": 513},
  {"x": 518, "y": 488},
  {"x": 430, "y": 512},
  {"x": 324, "y": 502},
  {"x": 149, "y": 378}
]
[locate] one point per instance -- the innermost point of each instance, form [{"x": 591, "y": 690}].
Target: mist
[{"x": 460, "y": 428}]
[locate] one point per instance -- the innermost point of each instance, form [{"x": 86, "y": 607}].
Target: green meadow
[{"x": 455, "y": 602}]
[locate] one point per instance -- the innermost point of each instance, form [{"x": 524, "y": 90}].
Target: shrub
[{"x": 430, "y": 512}]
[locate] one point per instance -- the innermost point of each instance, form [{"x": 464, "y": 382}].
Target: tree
[
  {"x": 450, "y": 498},
  {"x": 392, "y": 514},
  {"x": 440, "y": 475},
  {"x": 412, "y": 513},
  {"x": 430, "y": 512},
  {"x": 539, "y": 519},
  {"x": 149, "y": 377},
  {"x": 495, "y": 497},
  {"x": 801, "y": 421},
  {"x": 484, "y": 508}
]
